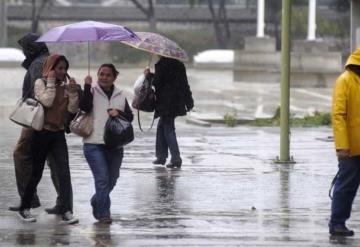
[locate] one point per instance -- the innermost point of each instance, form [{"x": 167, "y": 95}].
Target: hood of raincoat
[
  {"x": 353, "y": 62},
  {"x": 31, "y": 49},
  {"x": 354, "y": 58}
]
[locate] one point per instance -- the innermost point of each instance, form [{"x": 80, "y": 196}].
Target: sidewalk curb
[
  {"x": 198, "y": 122},
  {"x": 206, "y": 122}
]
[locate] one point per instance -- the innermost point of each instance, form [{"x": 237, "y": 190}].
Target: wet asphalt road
[{"x": 228, "y": 193}]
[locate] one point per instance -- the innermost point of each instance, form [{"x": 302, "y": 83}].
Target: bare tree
[
  {"x": 220, "y": 22},
  {"x": 149, "y": 12},
  {"x": 36, "y": 11}
]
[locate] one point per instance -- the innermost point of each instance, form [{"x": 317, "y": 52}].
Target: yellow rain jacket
[{"x": 346, "y": 108}]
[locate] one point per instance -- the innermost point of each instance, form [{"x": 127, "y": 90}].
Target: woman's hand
[
  {"x": 343, "y": 153},
  {"x": 146, "y": 71},
  {"x": 52, "y": 74},
  {"x": 113, "y": 112},
  {"x": 72, "y": 81},
  {"x": 88, "y": 80},
  {"x": 72, "y": 84}
]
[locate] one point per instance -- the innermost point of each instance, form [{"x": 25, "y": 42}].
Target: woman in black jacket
[{"x": 173, "y": 98}]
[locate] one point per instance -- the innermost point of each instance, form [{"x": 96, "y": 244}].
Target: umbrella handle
[
  {"x": 150, "y": 60},
  {"x": 88, "y": 58}
]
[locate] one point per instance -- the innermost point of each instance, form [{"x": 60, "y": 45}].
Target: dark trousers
[
  {"x": 23, "y": 166},
  {"x": 23, "y": 163},
  {"x": 105, "y": 166},
  {"x": 50, "y": 161},
  {"x": 166, "y": 139},
  {"x": 345, "y": 188},
  {"x": 54, "y": 143}
]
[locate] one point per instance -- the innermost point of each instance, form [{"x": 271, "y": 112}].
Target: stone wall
[{"x": 311, "y": 66}]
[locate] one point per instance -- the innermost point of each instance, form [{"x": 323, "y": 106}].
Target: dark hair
[
  {"x": 110, "y": 66},
  {"x": 61, "y": 58}
]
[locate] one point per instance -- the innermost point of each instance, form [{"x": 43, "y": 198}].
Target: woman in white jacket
[{"x": 103, "y": 99}]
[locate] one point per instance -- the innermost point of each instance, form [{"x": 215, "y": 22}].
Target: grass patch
[
  {"x": 314, "y": 120},
  {"x": 230, "y": 119}
]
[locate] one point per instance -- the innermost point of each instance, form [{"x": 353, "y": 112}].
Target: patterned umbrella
[{"x": 157, "y": 44}]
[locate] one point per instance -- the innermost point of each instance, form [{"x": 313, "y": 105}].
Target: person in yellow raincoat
[{"x": 346, "y": 127}]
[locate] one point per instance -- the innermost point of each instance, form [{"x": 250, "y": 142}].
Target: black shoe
[
  {"x": 174, "y": 165},
  {"x": 53, "y": 210},
  {"x": 26, "y": 216},
  {"x": 68, "y": 218},
  {"x": 340, "y": 230},
  {"x": 159, "y": 162}
]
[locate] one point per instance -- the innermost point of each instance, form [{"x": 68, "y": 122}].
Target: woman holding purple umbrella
[{"x": 103, "y": 99}]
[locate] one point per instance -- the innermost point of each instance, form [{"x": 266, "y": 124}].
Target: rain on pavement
[{"x": 228, "y": 192}]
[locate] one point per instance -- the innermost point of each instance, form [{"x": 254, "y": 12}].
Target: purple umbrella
[{"x": 88, "y": 31}]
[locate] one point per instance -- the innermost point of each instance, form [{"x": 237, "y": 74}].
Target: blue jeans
[
  {"x": 105, "y": 166},
  {"x": 345, "y": 188},
  {"x": 166, "y": 139}
]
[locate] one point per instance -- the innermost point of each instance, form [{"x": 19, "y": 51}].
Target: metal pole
[
  {"x": 3, "y": 26},
  {"x": 285, "y": 83},
  {"x": 260, "y": 18},
  {"x": 312, "y": 20}
]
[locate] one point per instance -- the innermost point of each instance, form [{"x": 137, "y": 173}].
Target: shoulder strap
[
  {"x": 332, "y": 185},
  {"x": 30, "y": 93},
  {"x": 138, "y": 114}
]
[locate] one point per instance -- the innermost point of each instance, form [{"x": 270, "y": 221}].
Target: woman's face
[
  {"x": 60, "y": 71},
  {"x": 106, "y": 77}
]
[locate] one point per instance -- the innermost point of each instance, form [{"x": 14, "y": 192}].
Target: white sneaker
[
  {"x": 26, "y": 216},
  {"x": 68, "y": 218}
]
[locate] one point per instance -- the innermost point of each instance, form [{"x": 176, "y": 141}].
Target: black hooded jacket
[
  {"x": 173, "y": 95},
  {"x": 35, "y": 55}
]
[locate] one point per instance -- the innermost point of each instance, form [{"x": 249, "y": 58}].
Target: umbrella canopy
[
  {"x": 88, "y": 31},
  {"x": 157, "y": 44}
]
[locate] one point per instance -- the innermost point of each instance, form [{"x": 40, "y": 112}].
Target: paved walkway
[
  {"x": 228, "y": 193},
  {"x": 214, "y": 91}
]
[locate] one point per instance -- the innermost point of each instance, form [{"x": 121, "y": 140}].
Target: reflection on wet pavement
[{"x": 229, "y": 192}]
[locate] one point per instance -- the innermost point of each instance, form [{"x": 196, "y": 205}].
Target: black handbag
[
  {"x": 145, "y": 98},
  {"x": 118, "y": 132}
]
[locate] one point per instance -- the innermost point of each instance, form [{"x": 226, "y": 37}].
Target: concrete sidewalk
[
  {"x": 228, "y": 193},
  {"x": 214, "y": 92}
]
